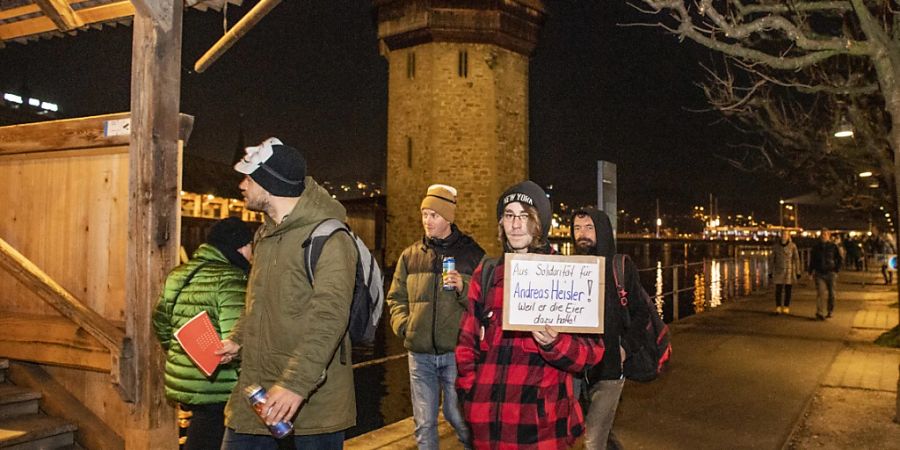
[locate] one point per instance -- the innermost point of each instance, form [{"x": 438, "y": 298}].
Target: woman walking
[{"x": 784, "y": 261}]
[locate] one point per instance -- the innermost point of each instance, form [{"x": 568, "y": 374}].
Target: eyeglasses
[{"x": 510, "y": 217}]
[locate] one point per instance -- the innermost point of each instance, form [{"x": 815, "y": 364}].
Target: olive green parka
[{"x": 291, "y": 333}]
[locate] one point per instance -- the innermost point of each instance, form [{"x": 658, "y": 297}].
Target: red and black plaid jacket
[{"x": 516, "y": 395}]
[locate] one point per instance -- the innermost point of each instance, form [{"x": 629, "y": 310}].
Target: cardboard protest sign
[{"x": 565, "y": 292}]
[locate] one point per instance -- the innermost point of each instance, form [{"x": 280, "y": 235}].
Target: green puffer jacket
[
  {"x": 290, "y": 332},
  {"x": 218, "y": 288},
  {"x": 422, "y": 313}
]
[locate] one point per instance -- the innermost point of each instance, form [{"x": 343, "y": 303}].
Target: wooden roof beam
[
  {"x": 159, "y": 11},
  {"x": 60, "y": 13},
  {"x": 37, "y": 25}
]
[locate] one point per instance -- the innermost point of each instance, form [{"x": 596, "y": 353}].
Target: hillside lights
[{"x": 865, "y": 174}]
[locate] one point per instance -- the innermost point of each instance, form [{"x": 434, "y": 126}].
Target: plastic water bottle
[
  {"x": 449, "y": 264},
  {"x": 256, "y": 395}
]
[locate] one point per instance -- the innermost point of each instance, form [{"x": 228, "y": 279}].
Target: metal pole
[
  {"x": 241, "y": 28},
  {"x": 675, "y": 293}
]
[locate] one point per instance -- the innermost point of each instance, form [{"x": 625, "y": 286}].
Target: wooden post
[{"x": 153, "y": 208}]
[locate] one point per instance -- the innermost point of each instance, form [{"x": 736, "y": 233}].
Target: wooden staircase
[{"x": 23, "y": 426}]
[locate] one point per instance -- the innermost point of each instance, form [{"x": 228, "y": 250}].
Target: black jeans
[
  {"x": 207, "y": 425},
  {"x": 787, "y": 294}
]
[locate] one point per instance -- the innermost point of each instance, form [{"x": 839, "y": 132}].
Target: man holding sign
[{"x": 516, "y": 387}]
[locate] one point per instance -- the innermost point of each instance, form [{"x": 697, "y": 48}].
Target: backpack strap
[
  {"x": 619, "y": 261},
  {"x": 487, "y": 279},
  {"x": 312, "y": 250},
  {"x": 187, "y": 281},
  {"x": 312, "y": 246}
]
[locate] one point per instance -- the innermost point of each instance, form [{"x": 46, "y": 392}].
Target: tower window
[
  {"x": 409, "y": 155},
  {"x": 463, "y": 68},
  {"x": 411, "y": 65}
]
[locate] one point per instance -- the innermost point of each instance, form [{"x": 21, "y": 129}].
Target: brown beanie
[{"x": 442, "y": 199}]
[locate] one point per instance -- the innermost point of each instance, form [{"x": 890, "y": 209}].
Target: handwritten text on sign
[{"x": 564, "y": 292}]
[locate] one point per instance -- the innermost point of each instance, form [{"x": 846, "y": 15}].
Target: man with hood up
[
  {"x": 425, "y": 311},
  {"x": 292, "y": 338},
  {"x": 516, "y": 387},
  {"x": 592, "y": 234}
]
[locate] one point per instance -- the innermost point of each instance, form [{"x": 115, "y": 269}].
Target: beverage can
[
  {"x": 257, "y": 397},
  {"x": 449, "y": 264}
]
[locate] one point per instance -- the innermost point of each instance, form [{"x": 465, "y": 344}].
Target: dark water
[{"x": 724, "y": 270}]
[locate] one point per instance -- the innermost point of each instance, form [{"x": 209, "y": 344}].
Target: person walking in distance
[
  {"x": 824, "y": 265},
  {"x": 426, "y": 305},
  {"x": 784, "y": 263}
]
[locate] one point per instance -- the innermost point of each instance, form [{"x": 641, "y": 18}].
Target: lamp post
[{"x": 781, "y": 213}]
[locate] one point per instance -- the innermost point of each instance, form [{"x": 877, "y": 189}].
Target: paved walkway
[{"x": 743, "y": 377}]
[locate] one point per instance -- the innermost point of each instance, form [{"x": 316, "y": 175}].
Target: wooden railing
[{"x": 122, "y": 363}]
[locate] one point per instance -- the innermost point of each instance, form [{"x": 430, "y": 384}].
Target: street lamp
[
  {"x": 865, "y": 174},
  {"x": 844, "y": 130},
  {"x": 781, "y": 213}
]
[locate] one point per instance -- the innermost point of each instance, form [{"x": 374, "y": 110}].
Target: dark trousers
[
  {"x": 787, "y": 294},
  {"x": 207, "y": 425},
  {"x": 239, "y": 441}
]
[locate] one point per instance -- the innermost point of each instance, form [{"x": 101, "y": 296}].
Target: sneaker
[
  {"x": 785, "y": 310},
  {"x": 828, "y": 316},
  {"x": 777, "y": 310}
]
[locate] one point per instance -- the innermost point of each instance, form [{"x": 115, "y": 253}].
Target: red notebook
[{"x": 199, "y": 340}]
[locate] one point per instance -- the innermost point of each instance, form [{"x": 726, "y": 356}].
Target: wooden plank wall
[
  {"x": 68, "y": 213},
  {"x": 66, "y": 208}
]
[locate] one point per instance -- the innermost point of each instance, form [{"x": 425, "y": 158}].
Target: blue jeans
[
  {"x": 239, "y": 441},
  {"x": 428, "y": 376}
]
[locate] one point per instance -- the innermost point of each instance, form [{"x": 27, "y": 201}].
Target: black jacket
[
  {"x": 614, "y": 317},
  {"x": 825, "y": 258}
]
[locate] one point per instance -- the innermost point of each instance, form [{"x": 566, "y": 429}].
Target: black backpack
[
  {"x": 368, "y": 293},
  {"x": 646, "y": 340}
]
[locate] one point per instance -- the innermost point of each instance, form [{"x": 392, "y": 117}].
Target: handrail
[{"x": 70, "y": 307}]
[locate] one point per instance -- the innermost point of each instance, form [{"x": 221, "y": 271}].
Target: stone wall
[{"x": 462, "y": 126}]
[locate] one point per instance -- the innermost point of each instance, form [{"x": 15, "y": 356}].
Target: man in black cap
[
  {"x": 293, "y": 336},
  {"x": 215, "y": 281}
]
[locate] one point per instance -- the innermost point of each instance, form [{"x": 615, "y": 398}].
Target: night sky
[{"x": 310, "y": 73}]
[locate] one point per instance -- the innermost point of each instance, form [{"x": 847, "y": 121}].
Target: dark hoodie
[{"x": 614, "y": 319}]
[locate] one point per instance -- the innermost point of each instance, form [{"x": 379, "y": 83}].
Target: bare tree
[{"x": 794, "y": 35}]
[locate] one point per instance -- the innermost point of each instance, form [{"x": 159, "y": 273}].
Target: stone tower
[{"x": 457, "y": 107}]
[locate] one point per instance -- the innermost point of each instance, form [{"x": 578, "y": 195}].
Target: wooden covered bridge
[{"x": 90, "y": 227}]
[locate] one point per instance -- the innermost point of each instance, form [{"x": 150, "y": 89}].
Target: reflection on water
[
  {"x": 715, "y": 284},
  {"x": 699, "y": 293},
  {"x": 659, "y": 288}
]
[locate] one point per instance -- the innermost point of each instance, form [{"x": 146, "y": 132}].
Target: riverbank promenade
[{"x": 744, "y": 377}]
